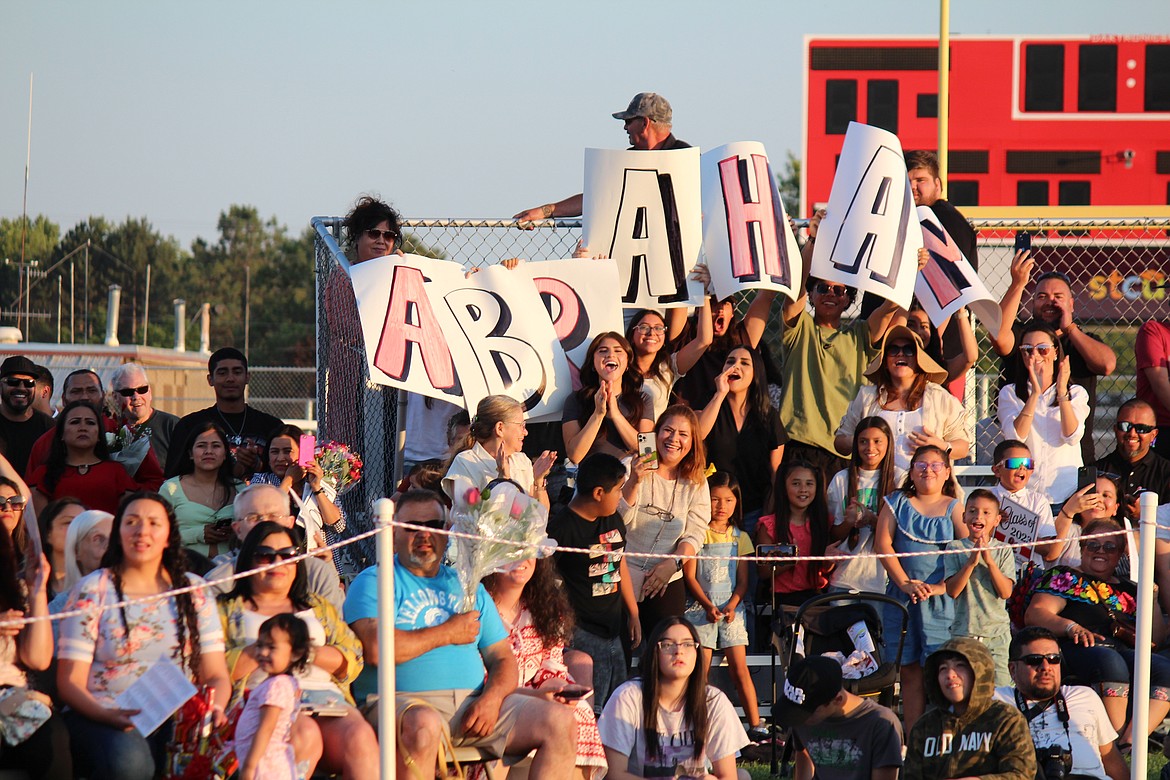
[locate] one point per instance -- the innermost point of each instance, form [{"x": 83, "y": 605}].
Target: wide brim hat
[{"x": 926, "y": 364}]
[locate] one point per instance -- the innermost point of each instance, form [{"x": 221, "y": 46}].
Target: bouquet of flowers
[
  {"x": 129, "y": 445},
  {"x": 507, "y": 527},
  {"x": 341, "y": 466}
]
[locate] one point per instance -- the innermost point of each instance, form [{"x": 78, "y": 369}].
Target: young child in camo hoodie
[{"x": 967, "y": 733}]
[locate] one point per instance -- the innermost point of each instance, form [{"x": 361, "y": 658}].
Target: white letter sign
[
  {"x": 868, "y": 238},
  {"x": 746, "y": 238},
  {"x": 948, "y": 282},
  {"x": 642, "y": 209}
]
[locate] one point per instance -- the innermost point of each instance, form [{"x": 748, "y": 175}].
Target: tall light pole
[{"x": 944, "y": 87}]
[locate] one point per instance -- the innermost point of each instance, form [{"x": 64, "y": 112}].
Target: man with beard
[
  {"x": 453, "y": 668},
  {"x": 20, "y": 424},
  {"x": 1060, "y": 717},
  {"x": 1052, "y": 304},
  {"x": 1133, "y": 460}
]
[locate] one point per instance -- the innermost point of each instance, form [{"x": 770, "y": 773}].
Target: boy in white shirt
[{"x": 1013, "y": 467}]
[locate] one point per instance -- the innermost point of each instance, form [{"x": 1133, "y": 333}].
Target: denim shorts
[{"x": 716, "y": 636}]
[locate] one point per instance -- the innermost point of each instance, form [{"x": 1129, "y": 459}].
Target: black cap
[
  {"x": 18, "y": 364},
  {"x": 810, "y": 683}
]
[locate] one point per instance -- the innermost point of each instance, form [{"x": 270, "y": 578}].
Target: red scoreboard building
[{"x": 1034, "y": 121}]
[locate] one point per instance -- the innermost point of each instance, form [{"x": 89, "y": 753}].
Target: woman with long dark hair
[
  {"x": 802, "y": 521},
  {"x": 855, "y": 495},
  {"x": 108, "y": 648},
  {"x": 1046, "y": 412},
  {"x": 660, "y": 363},
  {"x": 79, "y": 463},
  {"x": 742, "y": 430},
  {"x": 611, "y": 408},
  {"x": 668, "y": 722},
  {"x": 54, "y": 526},
  {"x": 203, "y": 490},
  {"x": 350, "y": 746},
  {"x": 535, "y": 610}
]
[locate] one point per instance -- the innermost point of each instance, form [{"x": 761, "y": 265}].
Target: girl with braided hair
[{"x": 104, "y": 651}]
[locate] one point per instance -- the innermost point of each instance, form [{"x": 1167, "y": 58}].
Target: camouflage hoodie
[{"x": 989, "y": 740}]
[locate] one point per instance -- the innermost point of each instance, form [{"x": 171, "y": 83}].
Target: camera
[{"x": 1053, "y": 762}]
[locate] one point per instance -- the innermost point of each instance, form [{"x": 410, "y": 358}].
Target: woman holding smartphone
[{"x": 203, "y": 491}]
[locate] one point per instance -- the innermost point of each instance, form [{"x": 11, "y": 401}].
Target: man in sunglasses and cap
[
  {"x": 20, "y": 424},
  {"x": 1068, "y": 723},
  {"x": 647, "y": 122}
]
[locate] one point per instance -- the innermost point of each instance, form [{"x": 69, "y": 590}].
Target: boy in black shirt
[{"x": 597, "y": 582}]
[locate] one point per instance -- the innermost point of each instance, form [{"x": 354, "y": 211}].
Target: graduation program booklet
[{"x": 158, "y": 695}]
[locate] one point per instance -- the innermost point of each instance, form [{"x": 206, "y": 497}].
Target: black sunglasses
[
  {"x": 1126, "y": 426},
  {"x": 1035, "y": 659},
  {"x": 901, "y": 350},
  {"x": 374, "y": 234},
  {"x": 823, "y": 288},
  {"x": 266, "y": 555},
  {"x": 27, "y": 384},
  {"x": 437, "y": 525},
  {"x": 1095, "y": 547},
  {"x": 130, "y": 392}
]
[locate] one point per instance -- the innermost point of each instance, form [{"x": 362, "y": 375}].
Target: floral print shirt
[
  {"x": 117, "y": 658},
  {"x": 1089, "y": 600}
]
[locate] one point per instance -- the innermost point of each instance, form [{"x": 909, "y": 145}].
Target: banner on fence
[
  {"x": 1018, "y": 525},
  {"x": 430, "y": 330},
  {"x": 948, "y": 282},
  {"x": 869, "y": 238},
  {"x": 580, "y": 297},
  {"x": 747, "y": 242},
  {"x": 643, "y": 209}
]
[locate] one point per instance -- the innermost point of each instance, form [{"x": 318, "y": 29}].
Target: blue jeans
[
  {"x": 609, "y": 663},
  {"x": 1109, "y": 669},
  {"x": 102, "y": 752}
]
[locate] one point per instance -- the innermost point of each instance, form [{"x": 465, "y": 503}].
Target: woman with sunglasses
[
  {"x": 14, "y": 497},
  {"x": 668, "y": 722},
  {"x": 1089, "y": 607},
  {"x": 666, "y": 505},
  {"x": 1047, "y": 413},
  {"x": 106, "y": 649},
  {"x": 342, "y": 741},
  {"x": 908, "y": 393},
  {"x": 923, "y": 516},
  {"x": 79, "y": 463}
]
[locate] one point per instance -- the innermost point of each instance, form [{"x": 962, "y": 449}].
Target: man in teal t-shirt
[{"x": 454, "y": 669}]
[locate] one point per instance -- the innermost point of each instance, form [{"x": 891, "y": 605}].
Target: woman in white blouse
[{"x": 1045, "y": 412}]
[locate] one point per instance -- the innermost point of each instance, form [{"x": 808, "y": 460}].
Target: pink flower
[
  {"x": 472, "y": 496},
  {"x": 517, "y": 508}
]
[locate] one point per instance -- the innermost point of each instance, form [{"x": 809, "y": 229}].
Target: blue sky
[{"x": 174, "y": 111}]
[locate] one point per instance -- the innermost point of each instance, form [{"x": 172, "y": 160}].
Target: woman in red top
[
  {"x": 79, "y": 464},
  {"x": 801, "y": 520}
]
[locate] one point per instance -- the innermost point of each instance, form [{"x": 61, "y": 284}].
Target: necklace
[
  {"x": 236, "y": 436},
  {"x": 84, "y": 468}
]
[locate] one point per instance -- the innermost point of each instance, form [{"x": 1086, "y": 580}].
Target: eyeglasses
[
  {"x": 935, "y": 466},
  {"x": 670, "y": 646},
  {"x": 270, "y": 517},
  {"x": 436, "y": 525},
  {"x": 901, "y": 350},
  {"x": 266, "y": 555},
  {"x": 130, "y": 392},
  {"x": 1035, "y": 659},
  {"x": 824, "y": 288},
  {"x": 13, "y": 502},
  {"x": 1123, "y": 426},
  {"x": 521, "y": 423},
  {"x": 630, "y": 120},
  {"x": 1096, "y": 547},
  {"x": 1043, "y": 350},
  {"x": 646, "y": 330},
  {"x": 1018, "y": 463},
  {"x": 388, "y": 235},
  {"x": 27, "y": 384},
  {"x": 665, "y": 515}
]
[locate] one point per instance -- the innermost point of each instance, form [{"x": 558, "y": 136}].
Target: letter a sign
[
  {"x": 642, "y": 209},
  {"x": 869, "y": 238}
]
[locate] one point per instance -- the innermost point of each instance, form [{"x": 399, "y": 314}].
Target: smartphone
[
  {"x": 1087, "y": 475},
  {"x": 1023, "y": 242},
  {"x": 307, "y": 446},
  {"x": 776, "y": 550},
  {"x": 573, "y": 692},
  {"x": 648, "y": 445}
]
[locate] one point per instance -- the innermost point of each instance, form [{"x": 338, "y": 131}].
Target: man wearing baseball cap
[
  {"x": 647, "y": 121},
  {"x": 837, "y": 735},
  {"x": 20, "y": 423}
]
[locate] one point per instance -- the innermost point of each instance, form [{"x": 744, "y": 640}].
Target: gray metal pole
[{"x": 387, "y": 728}]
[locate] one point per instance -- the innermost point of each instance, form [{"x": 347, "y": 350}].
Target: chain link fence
[{"x": 1115, "y": 266}]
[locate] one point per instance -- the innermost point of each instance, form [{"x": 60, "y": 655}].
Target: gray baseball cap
[{"x": 650, "y": 105}]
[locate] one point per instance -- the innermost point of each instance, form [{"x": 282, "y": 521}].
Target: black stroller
[{"x": 824, "y": 623}]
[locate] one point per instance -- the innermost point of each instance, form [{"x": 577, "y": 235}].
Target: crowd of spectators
[{"x": 684, "y": 438}]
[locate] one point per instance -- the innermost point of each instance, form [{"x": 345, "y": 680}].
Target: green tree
[
  {"x": 788, "y": 182},
  {"x": 37, "y": 236}
]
